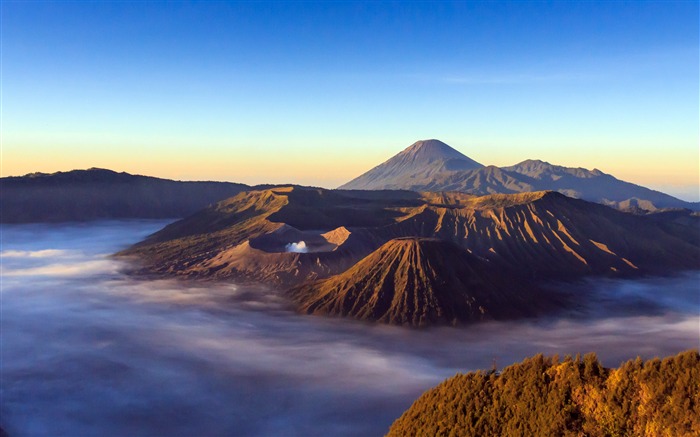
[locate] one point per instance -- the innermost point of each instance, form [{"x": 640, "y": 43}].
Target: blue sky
[{"x": 317, "y": 93}]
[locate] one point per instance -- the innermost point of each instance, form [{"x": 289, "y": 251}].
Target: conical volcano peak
[
  {"x": 433, "y": 150},
  {"x": 419, "y": 282},
  {"x": 415, "y": 165}
]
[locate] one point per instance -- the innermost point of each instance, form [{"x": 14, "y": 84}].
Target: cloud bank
[
  {"x": 89, "y": 353},
  {"x": 46, "y": 253}
]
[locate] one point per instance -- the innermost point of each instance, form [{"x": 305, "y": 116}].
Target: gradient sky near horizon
[{"x": 318, "y": 92}]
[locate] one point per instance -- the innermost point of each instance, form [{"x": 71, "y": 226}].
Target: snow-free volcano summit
[{"x": 431, "y": 165}]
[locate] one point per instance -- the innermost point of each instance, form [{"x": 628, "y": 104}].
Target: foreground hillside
[
  {"x": 547, "y": 397},
  {"x": 93, "y": 194},
  {"x": 431, "y": 165}
]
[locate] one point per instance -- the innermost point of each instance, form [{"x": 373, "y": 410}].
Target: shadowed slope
[{"x": 418, "y": 282}]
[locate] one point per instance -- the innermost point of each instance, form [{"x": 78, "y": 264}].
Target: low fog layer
[{"x": 87, "y": 350}]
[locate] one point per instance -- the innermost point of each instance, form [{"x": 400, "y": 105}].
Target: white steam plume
[{"x": 299, "y": 247}]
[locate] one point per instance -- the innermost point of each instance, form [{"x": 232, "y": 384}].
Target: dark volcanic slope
[
  {"x": 417, "y": 282},
  {"x": 538, "y": 235},
  {"x": 92, "y": 194},
  {"x": 427, "y": 167},
  {"x": 545, "y": 397}
]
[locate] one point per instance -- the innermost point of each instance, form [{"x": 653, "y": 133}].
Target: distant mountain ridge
[
  {"x": 92, "y": 194},
  {"x": 432, "y": 165}
]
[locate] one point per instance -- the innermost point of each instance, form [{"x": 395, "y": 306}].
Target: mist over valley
[{"x": 90, "y": 350}]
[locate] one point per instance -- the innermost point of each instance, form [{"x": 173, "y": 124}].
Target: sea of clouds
[{"x": 89, "y": 350}]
